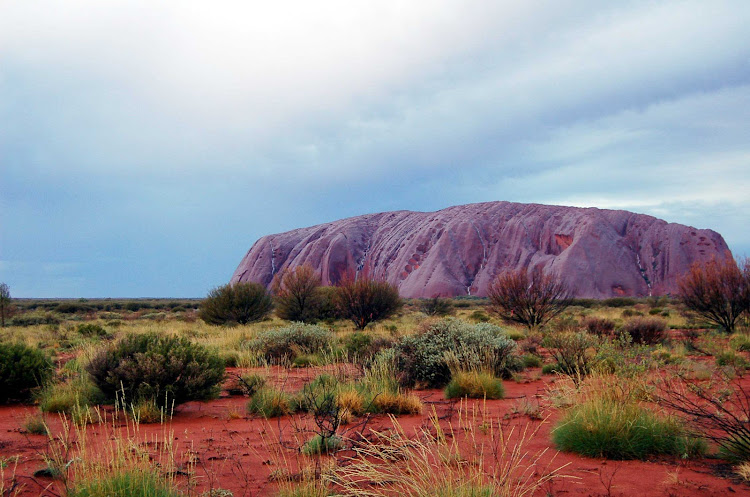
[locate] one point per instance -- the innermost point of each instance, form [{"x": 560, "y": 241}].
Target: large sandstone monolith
[{"x": 460, "y": 250}]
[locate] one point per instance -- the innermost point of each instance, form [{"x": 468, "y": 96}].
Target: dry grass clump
[
  {"x": 439, "y": 461},
  {"x": 475, "y": 385}
]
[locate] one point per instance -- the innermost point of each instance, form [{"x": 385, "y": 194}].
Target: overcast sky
[{"x": 144, "y": 146}]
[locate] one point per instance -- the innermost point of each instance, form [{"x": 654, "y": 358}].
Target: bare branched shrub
[
  {"x": 718, "y": 291},
  {"x": 297, "y": 294},
  {"x": 721, "y": 415},
  {"x": 364, "y": 300},
  {"x": 571, "y": 351},
  {"x": 530, "y": 298},
  {"x": 436, "y": 306}
]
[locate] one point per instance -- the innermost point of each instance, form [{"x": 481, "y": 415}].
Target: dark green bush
[
  {"x": 157, "y": 367},
  {"x": 34, "y": 318},
  {"x": 240, "y": 303},
  {"x": 619, "y": 302},
  {"x": 364, "y": 346},
  {"x": 22, "y": 369},
  {"x": 647, "y": 331},
  {"x": 71, "y": 308},
  {"x": 291, "y": 341},
  {"x": 436, "y": 306},
  {"x": 91, "y": 330},
  {"x": 421, "y": 357}
]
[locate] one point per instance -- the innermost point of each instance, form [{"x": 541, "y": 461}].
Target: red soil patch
[{"x": 236, "y": 452}]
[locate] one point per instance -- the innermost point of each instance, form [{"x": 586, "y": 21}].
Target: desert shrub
[
  {"x": 647, "y": 331},
  {"x": 246, "y": 384},
  {"x": 619, "y": 302},
  {"x": 571, "y": 351},
  {"x": 530, "y": 298},
  {"x": 134, "y": 483},
  {"x": 718, "y": 291},
  {"x": 565, "y": 323},
  {"x": 291, "y": 341},
  {"x": 327, "y": 308},
  {"x": 479, "y": 317},
  {"x": 34, "y": 318},
  {"x": 364, "y": 300},
  {"x": 475, "y": 385},
  {"x": 270, "y": 403},
  {"x": 36, "y": 425},
  {"x": 322, "y": 445},
  {"x": 598, "y": 326},
  {"x": 296, "y": 294},
  {"x": 551, "y": 369},
  {"x": 240, "y": 303},
  {"x": 22, "y": 369},
  {"x": 740, "y": 342},
  {"x": 71, "y": 308},
  {"x": 421, "y": 357},
  {"x": 732, "y": 359},
  {"x": 436, "y": 306},
  {"x": 607, "y": 428},
  {"x": 157, "y": 367},
  {"x": 364, "y": 346},
  {"x": 91, "y": 330},
  {"x": 531, "y": 361}
]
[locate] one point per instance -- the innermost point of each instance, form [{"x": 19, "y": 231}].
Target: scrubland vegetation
[{"x": 617, "y": 379}]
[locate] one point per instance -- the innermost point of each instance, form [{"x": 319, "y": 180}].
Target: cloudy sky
[{"x": 144, "y": 146}]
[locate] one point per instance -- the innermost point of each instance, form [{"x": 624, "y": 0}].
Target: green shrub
[
  {"x": 421, "y": 357},
  {"x": 71, "y": 308},
  {"x": 128, "y": 483},
  {"x": 619, "y": 302},
  {"x": 296, "y": 294},
  {"x": 551, "y": 369},
  {"x": 291, "y": 341},
  {"x": 34, "y": 318},
  {"x": 531, "y": 361},
  {"x": 91, "y": 330},
  {"x": 246, "y": 384},
  {"x": 571, "y": 351},
  {"x": 620, "y": 430},
  {"x": 436, "y": 306},
  {"x": 157, "y": 367},
  {"x": 647, "y": 331},
  {"x": 240, "y": 303},
  {"x": 732, "y": 359},
  {"x": 22, "y": 369},
  {"x": 479, "y": 317},
  {"x": 270, "y": 403},
  {"x": 36, "y": 425},
  {"x": 740, "y": 342},
  {"x": 475, "y": 385},
  {"x": 364, "y": 346},
  {"x": 319, "y": 445}
]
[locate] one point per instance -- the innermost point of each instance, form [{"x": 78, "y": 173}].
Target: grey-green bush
[
  {"x": 421, "y": 357},
  {"x": 291, "y": 341}
]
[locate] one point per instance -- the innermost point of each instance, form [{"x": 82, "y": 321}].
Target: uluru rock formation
[{"x": 460, "y": 250}]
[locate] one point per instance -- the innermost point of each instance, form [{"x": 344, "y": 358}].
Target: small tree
[
  {"x": 364, "y": 300},
  {"x": 297, "y": 294},
  {"x": 529, "y": 298},
  {"x": 240, "y": 303},
  {"x": 718, "y": 291},
  {"x": 4, "y": 302}
]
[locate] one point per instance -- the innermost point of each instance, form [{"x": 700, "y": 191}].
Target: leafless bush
[
  {"x": 530, "y": 298},
  {"x": 718, "y": 291}
]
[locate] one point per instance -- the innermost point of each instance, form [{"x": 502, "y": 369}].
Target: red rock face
[{"x": 460, "y": 250}]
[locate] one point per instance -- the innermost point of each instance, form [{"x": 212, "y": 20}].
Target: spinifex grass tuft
[
  {"x": 440, "y": 461},
  {"x": 475, "y": 385},
  {"x": 602, "y": 427}
]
